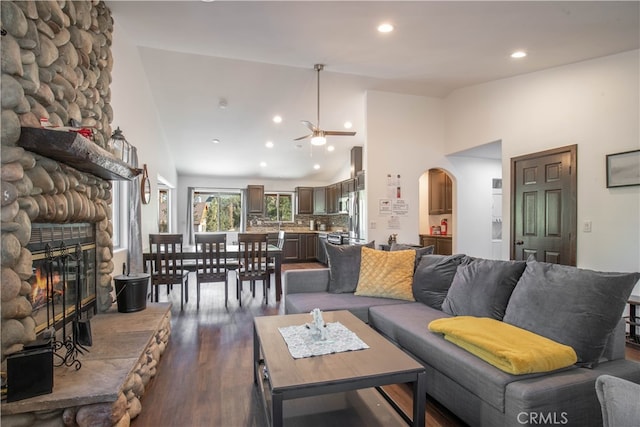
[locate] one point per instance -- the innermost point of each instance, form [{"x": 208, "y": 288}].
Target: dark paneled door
[{"x": 544, "y": 206}]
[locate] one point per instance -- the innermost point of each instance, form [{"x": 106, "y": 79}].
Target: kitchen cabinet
[
  {"x": 298, "y": 247},
  {"x": 255, "y": 199},
  {"x": 305, "y": 200},
  {"x": 360, "y": 181},
  {"x": 307, "y": 246},
  {"x": 326, "y": 200},
  {"x": 333, "y": 194},
  {"x": 347, "y": 186},
  {"x": 319, "y": 201},
  {"x": 442, "y": 244},
  {"x": 356, "y": 160},
  {"x": 291, "y": 247},
  {"x": 440, "y": 192}
]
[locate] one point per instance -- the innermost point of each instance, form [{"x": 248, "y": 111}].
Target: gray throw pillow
[
  {"x": 482, "y": 287},
  {"x": 344, "y": 266},
  {"x": 420, "y": 251},
  {"x": 433, "y": 277},
  {"x": 573, "y": 306}
]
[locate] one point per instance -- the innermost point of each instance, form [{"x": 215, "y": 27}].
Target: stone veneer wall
[{"x": 56, "y": 64}]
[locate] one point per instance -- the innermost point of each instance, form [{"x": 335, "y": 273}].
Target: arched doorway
[{"x": 436, "y": 227}]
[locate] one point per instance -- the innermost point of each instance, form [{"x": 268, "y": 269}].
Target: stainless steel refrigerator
[{"x": 357, "y": 217}]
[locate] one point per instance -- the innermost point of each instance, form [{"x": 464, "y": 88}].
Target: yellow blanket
[{"x": 507, "y": 347}]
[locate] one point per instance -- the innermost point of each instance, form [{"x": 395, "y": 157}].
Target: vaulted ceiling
[{"x": 222, "y": 69}]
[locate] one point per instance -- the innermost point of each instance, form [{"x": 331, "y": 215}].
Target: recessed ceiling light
[
  {"x": 385, "y": 28},
  {"x": 215, "y": 141},
  {"x": 519, "y": 54},
  {"x": 269, "y": 144},
  {"x": 348, "y": 125},
  {"x": 223, "y": 103},
  {"x": 331, "y": 148},
  {"x": 277, "y": 119},
  {"x": 263, "y": 164},
  {"x": 316, "y": 166}
]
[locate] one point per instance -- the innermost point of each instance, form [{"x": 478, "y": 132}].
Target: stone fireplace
[
  {"x": 56, "y": 71},
  {"x": 56, "y": 65}
]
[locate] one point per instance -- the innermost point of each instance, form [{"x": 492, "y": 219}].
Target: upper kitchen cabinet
[
  {"x": 440, "y": 192},
  {"x": 255, "y": 199},
  {"x": 305, "y": 200},
  {"x": 333, "y": 195},
  {"x": 347, "y": 186},
  {"x": 356, "y": 161},
  {"x": 319, "y": 200},
  {"x": 360, "y": 181}
]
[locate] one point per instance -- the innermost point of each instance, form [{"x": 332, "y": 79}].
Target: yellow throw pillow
[{"x": 386, "y": 274}]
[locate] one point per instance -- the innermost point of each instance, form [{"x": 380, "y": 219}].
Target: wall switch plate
[
  {"x": 372, "y": 225},
  {"x": 586, "y": 226}
]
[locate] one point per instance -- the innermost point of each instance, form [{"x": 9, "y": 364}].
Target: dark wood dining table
[{"x": 190, "y": 254}]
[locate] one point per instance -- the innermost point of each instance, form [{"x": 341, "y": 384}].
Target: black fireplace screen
[{"x": 64, "y": 267}]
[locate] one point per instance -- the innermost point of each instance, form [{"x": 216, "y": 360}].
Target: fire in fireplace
[{"x": 64, "y": 273}]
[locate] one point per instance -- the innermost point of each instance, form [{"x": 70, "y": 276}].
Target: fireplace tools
[
  {"x": 67, "y": 350},
  {"x": 81, "y": 327}
]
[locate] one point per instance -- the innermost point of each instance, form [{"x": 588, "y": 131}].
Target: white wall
[
  {"x": 472, "y": 204},
  {"x": 134, "y": 113},
  {"x": 594, "y": 104},
  {"x": 405, "y": 137}
]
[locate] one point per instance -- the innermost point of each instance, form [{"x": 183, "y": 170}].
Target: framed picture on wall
[{"x": 623, "y": 169}]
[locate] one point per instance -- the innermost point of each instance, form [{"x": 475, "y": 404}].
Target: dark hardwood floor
[{"x": 205, "y": 375}]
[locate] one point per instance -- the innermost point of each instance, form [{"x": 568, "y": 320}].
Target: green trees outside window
[
  {"x": 217, "y": 212},
  {"x": 279, "y": 206}
]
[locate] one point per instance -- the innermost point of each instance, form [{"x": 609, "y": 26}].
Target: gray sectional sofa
[{"x": 576, "y": 307}]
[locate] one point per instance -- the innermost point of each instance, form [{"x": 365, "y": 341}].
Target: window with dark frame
[
  {"x": 217, "y": 211},
  {"x": 278, "y": 207}
]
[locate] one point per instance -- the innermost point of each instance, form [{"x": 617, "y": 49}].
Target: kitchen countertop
[{"x": 291, "y": 230}]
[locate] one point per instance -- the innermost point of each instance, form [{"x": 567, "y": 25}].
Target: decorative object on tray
[
  {"x": 318, "y": 338},
  {"x": 318, "y": 328}
]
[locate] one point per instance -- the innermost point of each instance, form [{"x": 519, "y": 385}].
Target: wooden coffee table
[{"x": 288, "y": 378}]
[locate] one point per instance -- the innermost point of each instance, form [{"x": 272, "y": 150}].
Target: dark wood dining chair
[
  {"x": 253, "y": 256},
  {"x": 271, "y": 266},
  {"x": 213, "y": 262},
  {"x": 167, "y": 265}
]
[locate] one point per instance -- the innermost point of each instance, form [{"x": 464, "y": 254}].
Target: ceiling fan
[{"x": 318, "y": 135}]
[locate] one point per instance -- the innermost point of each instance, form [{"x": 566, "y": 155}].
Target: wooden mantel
[{"x": 75, "y": 150}]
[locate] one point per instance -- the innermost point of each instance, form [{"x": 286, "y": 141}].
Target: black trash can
[{"x": 131, "y": 292}]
